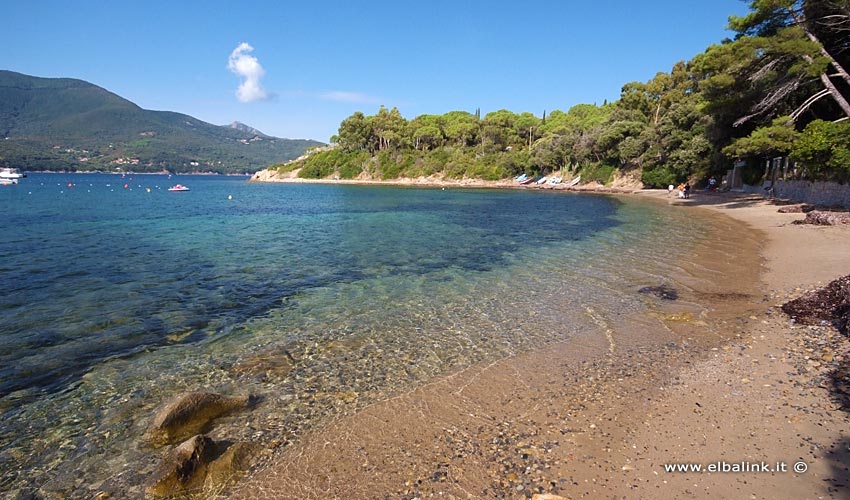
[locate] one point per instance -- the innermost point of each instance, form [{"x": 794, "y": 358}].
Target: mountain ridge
[{"x": 70, "y": 124}]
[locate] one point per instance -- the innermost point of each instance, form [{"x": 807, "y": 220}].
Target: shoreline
[
  {"x": 437, "y": 181},
  {"x": 755, "y": 396}
]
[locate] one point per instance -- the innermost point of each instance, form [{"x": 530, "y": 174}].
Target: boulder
[
  {"x": 190, "y": 414},
  {"x": 183, "y": 469},
  {"x": 200, "y": 464},
  {"x": 236, "y": 459}
]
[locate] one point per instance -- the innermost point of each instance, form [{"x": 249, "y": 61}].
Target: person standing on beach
[
  {"x": 687, "y": 190},
  {"x": 712, "y": 184}
]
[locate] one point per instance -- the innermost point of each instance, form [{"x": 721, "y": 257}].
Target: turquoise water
[{"x": 317, "y": 298}]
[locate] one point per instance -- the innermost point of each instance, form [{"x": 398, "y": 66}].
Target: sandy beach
[{"x": 766, "y": 394}]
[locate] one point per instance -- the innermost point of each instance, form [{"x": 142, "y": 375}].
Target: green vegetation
[
  {"x": 776, "y": 89},
  {"x": 67, "y": 124}
]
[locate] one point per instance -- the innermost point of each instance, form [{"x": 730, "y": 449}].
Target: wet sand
[{"x": 753, "y": 388}]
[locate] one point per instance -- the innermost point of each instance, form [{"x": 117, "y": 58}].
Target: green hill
[{"x": 68, "y": 124}]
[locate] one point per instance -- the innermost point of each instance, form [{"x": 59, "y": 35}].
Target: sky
[{"x": 297, "y": 69}]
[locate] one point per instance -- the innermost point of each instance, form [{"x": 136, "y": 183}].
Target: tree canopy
[{"x": 778, "y": 88}]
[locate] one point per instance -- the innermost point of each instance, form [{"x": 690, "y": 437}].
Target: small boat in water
[
  {"x": 10, "y": 174},
  {"x": 7, "y": 182},
  {"x": 178, "y": 187}
]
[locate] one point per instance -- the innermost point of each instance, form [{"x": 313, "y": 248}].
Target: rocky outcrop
[
  {"x": 199, "y": 464},
  {"x": 267, "y": 175},
  {"x": 190, "y": 414}
]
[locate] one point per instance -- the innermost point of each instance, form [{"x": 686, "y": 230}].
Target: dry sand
[{"x": 604, "y": 425}]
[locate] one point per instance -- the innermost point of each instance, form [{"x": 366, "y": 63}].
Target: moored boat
[
  {"x": 178, "y": 187},
  {"x": 7, "y": 173}
]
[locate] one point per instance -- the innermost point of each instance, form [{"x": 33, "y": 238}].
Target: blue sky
[{"x": 321, "y": 61}]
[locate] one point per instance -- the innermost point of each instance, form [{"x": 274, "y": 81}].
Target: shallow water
[{"x": 319, "y": 299}]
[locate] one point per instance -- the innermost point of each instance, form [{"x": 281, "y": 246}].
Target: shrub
[
  {"x": 659, "y": 177},
  {"x": 598, "y": 172}
]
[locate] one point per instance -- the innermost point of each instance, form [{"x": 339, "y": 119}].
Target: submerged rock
[
  {"x": 267, "y": 365},
  {"x": 189, "y": 414},
  {"x": 236, "y": 459},
  {"x": 184, "y": 469},
  {"x": 665, "y": 292},
  {"x": 200, "y": 464}
]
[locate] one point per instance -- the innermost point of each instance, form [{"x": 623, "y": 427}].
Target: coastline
[
  {"x": 438, "y": 181},
  {"x": 590, "y": 428}
]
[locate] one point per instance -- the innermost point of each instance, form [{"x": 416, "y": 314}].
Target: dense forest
[{"x": 780, "y": 87}]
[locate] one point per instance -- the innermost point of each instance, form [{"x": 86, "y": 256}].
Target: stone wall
[{"x": 818, "y": 193}]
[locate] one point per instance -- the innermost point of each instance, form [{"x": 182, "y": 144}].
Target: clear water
[{"x": 317, "y": 298}]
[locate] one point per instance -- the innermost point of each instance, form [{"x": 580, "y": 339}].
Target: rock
[
  {"x": 274, "y": 365},
  {"x": 665, "y": 292},
  {"x": 547, "y": 496},
  {"x": 183, "y": 469},
  {"x": 189, "y": 414},
  {"x": 237, "y": 458}
]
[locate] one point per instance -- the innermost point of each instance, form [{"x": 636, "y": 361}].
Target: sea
[{"x": 117, "y": 294}]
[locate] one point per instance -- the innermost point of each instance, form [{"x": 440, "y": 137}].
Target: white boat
[
  {"x": 6, "y": 182},
  {"x": 542, "y": 180},
  {"x": 575, "y": 181},
  {"x": 554, "y": 180},
  {"x": 11, "y": 174},
  {"x": 178, "y": 187}
]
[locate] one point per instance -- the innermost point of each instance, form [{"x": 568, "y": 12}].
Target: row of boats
[
  {"x": 553, "y": 180},
  {"x": 10, "y": 176}
]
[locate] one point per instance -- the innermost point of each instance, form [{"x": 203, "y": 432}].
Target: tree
[
  {"x": 775, "y": 140},
  {"x": 355, "y": 133},
  {"x": 787, "y": 21},
  {"x": 498, "y": 130},
  {"x": 525, "y": 125},
  {"x": 824, "y": 146},
  {"x": 388, "y": 126},
  {"x": 426, "y": 131},
  {"x": 460, "y": 128}
]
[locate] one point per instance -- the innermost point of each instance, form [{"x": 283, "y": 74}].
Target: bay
[{"x": 117, "y": 294}]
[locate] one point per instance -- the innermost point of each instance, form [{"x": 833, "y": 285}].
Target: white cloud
[
  {"x": 344, "y": 96},
  {"x": 249, "y": 69}
]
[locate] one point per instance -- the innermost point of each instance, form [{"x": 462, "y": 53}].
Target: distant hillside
[{"x": 68, "y": 124}]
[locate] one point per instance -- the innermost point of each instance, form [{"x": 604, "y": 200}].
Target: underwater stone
[
  {"x": 189, "y": 414},
  {"x": 183, "y": 469}
]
